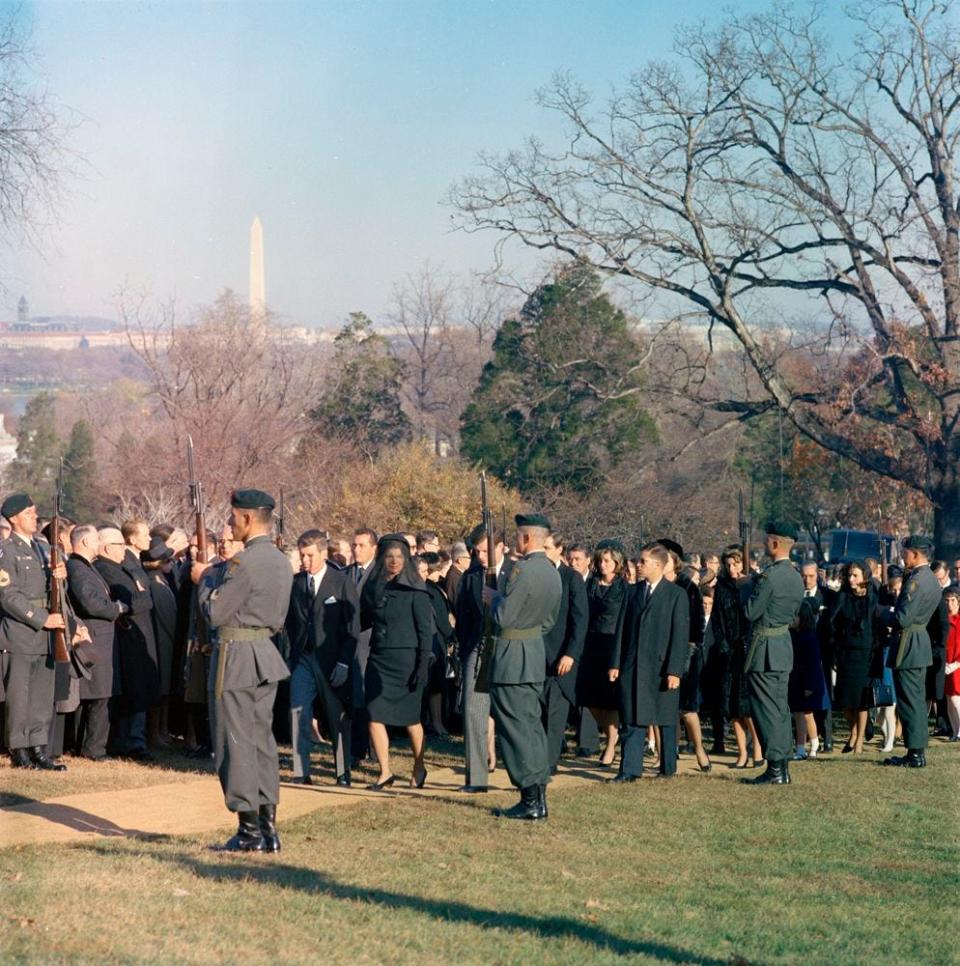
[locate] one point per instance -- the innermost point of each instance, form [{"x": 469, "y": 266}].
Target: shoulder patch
[{"x": 4, "y": 578}]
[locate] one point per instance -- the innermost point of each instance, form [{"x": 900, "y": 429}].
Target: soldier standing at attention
[
  {"x": 911, "y": 652},
  {"x": 772, "y": 608},
  {"x": 247, "y": 608},
  {"x": 524, "y": 612},
  {"x": 29, "y": 675}
]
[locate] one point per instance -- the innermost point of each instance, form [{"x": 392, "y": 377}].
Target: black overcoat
[
  {"x": 567, "y": 636},
  {"x": 90, "y": 597},
  {"x": 135, "y": 641},
  {"x": 652, "y": 646},
  {"x": 328, "y": 625}
]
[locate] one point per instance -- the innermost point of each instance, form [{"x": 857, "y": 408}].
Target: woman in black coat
[
  {"x": 857, "y": 644},
  {"x": 730, "y": 628},
  {"x": 396, "y": 606},
  {"x": 606, "y": 597},
  {"x": 429, "y": 567}
]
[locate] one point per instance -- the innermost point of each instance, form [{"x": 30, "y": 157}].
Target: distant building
[
  {"x": 23, "y": 309},
  {"x": 58, "y": 332}
]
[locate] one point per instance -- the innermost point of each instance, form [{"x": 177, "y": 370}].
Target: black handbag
[{"x": 883, "y": 695}]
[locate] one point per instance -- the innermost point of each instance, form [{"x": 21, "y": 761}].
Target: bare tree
[
  {"x": 33, "y": 133},
  {"x": 765, "y": 180}
]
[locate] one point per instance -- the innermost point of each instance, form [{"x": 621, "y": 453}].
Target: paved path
[{"x": 196, "y": 805}]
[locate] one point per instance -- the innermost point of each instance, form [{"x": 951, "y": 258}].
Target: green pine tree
[
  {"x": 362, "y": 405},
  {"x": 80, "y": 495},
  {"x": 559, "y": 404},
  {"x": 39, "y": 449}
]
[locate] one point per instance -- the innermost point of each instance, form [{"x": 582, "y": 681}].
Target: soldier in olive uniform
[
  {"x": 524, "y": 612},
  {"x": 772, "y": 608},
  {"x": 247, "y": 608},
  {"x": 911, "y": 652},
  {"x": 29, "y": 676}
]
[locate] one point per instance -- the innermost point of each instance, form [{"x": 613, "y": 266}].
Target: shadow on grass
[
  {"x": 77, "y": 819},
  {"x": 317, "y": 883}
]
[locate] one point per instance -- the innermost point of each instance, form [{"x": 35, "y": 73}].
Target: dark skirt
[
  {"x": 594, "y": 689},
  {"x": 390, "y": 700},
  {"x": 690, "y": 696},
  {"x": 736, "y": 700},
  {"x": 852, "y": 692}
]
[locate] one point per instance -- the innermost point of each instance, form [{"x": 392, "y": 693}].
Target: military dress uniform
[
  {"x": 773, "y": 606},
  {"x": 524, "y": 612},
  {"x": 911, "y": 652},
  {"x": 29, "y": 670},
  {"x": 246, "y": 610}
]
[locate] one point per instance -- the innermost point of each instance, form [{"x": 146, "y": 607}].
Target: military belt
[
  {"x": 231, "y": 635},
  {"x": 243, "y": 633},
  {"x": 904, "y": 631},
  {"x": 520, "y": 633},
  {"x": 755, "y": 636}
]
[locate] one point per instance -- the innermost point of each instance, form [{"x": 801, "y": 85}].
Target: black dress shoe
[
  {"x": 473, "y": 789},
  {"x": 344, "y": 780},
  {"x": 141, "y": 755},
  {"x": 38, "y": 756},
  {"x": 303, "y": 780},
  {"x": 528, "y": 808},
  {"x": 20, "y": 758},
  {"x": 774, "y": 775},
  {"x": 249, "y": 838},
  {"x": 622, "y": 779},
  {"x": 914, "y": 758},
  {"x": 268, "y": 828}
]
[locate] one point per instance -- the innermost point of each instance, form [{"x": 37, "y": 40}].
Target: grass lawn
[{"x": 852, "y": 863}]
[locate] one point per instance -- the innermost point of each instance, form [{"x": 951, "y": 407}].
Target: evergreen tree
[
  {"x": 559, "y": 403},
  {"x": 362, "y": 403},
  {"x": 39, "y": 448},
  {"x": 80, "y": 496}
]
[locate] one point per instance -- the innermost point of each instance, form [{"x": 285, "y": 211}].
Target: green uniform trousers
[
  {"x": 770, "y": 711},
  {"x": 523, "y": 742},
  {"x": 244, "y": 747},
  {"x": 910, "y": 684}
]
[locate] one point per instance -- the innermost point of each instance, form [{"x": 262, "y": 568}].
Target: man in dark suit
[
  {"x": 649, "y": 657},
  {"x": 323, "y": 623},
  {"x": 90, "y": 597},
  {"x": 468, "y": 609},
  {"x": 564, "y": 648},
  {"x": 814, "y": 599},
  {"x": 364, "y": 549}
]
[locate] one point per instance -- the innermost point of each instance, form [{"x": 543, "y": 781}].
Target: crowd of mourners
[{"x": 363, "y": 665}]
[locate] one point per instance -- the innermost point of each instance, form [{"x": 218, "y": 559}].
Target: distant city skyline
[{"x": 341, "y": 125}]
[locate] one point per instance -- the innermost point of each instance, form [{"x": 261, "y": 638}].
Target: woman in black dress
[
  {"x": 856, "y": 644},
  {"x": 429, "y": 567},
  {"x": 606, "y": 597},
  {"x": 396, "y": 606}
]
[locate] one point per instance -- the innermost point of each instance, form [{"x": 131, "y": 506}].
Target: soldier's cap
[
  {"x": 532, "y": 520},
  {"x": 14, "y": 504},
  {"x": 610, "y": 543},
  {"x": 672, "y": 545},
  {"x": 252, "y": 500},
  {"x": 916, "y": 541},
  {"x": 781, "y": 528}
]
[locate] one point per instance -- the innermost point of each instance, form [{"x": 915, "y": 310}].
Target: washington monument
[{"x": 258, "y": 282}]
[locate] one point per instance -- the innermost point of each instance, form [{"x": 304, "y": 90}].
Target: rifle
[
  {"x": 61, "y": 652},
  {"x": 883, "y": 546},
  {"x": 485, "y": 647},
  {"x": 280, "y": 522},
  {"x": 196, "y": 501},
  {"x": 744, "y": 525}
]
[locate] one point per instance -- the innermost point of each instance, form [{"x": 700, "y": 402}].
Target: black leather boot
[
  {"x": 20, "y": 758},
  {"x": 249, "y": 838},
  {"x": 38, "y": 755},
  {"x": 772, "y": 776},
  {"x": 527, "y": 808},
  {"x": 916, "y": 758},
  {"x": 785, "y": 771},
  {"x": 268, "y": 828},
  {"x": 543, "y": 801}
]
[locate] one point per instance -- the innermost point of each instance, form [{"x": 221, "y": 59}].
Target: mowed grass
[{"x": 852, "y": 863}]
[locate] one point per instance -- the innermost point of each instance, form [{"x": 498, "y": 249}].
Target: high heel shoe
[
  {"x": 847, "y": 748},
  {"x": 707, "y": 768},
  {"x": 380, "y": 786},
  {"x": 418, "y": 782}
]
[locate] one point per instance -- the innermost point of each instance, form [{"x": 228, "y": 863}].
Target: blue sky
[{"x": 340, "y": 124}]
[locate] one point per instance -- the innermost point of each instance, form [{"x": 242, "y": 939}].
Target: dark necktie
[
  {"x": 312, "y": 584},
  {"x": 359, "y": 575}
]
